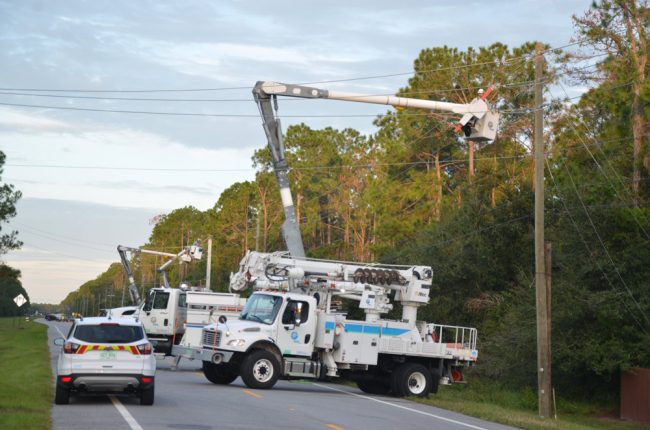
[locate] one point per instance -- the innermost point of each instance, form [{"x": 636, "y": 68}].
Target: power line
[
  {"x": 63, "y": 241},
  {"x": 25, "y": 226},
  {"x": 284, "y": 98},
  {"x": 600, "y": 240},
  {"x": 187, "y": 169},
  {"x": 602, "y": 171},
  {"x": 590, "y": 253},
  {"x": 251, "y": 169},
  {"x": 213, "y": 115},
  {"x": 523, "y": 58},
  {"x": 76, "y": 257}
]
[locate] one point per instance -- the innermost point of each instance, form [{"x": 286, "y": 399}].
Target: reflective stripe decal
[{"x": 85, "y": 348}]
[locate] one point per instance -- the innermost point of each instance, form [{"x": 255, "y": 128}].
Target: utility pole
[
  {"x": 123, "y": 289},
  {"x": 208, "y": 268},
  {"x": 547, "y": 261},
  {"x": 257, "y": 231},
  {"x": 542, "y": 305},
  {"x": 471, "y": 144}
]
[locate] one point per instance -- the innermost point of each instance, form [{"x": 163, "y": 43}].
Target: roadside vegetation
[
  {"x": 26, "y": 393},
  {"x": 483, "y": 398}
]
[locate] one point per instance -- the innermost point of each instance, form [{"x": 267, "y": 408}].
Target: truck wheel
[
  {"x": 435, "y": 381},
  {"x": 411, "y": 379},
  {"x": 260, "y": 369},
  {"x": 373, "y": 386},
  {"x": 146, "y": 396},
  {"x": 62, "y": 395},
  {"x": 219, "y": 373}
]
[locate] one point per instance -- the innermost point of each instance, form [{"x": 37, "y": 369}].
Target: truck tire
[
  {"x": 222, "y": 374},
  {"x": 373, "y": 386},
  {"x": 435, "y": 381},
  {"x": 260, "y": 369},
  {"x": 411, "y": 379},
  {"x": 62, "y": 395},
  {"x": 147, "y": 396}
]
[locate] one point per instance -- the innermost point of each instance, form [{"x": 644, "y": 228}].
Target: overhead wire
[
  {"x": 591, "y": 256},
  {"x": 600, "y": 240},
  {"x": 523, "y": 57},
  {"x": 600, "y": 168}
]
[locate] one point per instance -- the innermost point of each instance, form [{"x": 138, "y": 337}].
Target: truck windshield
[
  {"x": 261, "y": 308},
  {"x": 156, "y": 300},
  {"x": 105, "y": 333}
]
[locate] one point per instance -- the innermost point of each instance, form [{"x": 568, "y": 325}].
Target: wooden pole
[
  {"x": 257, "y": 231},
  {"x": 208, "y": 269},
  {"x": 543, "y": 345},
  {"x": 471, "y": 144}
]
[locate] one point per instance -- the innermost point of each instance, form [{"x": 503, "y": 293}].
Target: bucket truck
[
  {"x": 174, "y": 317},
  {"x": 288, "y": 328},
  {"x": 164, "y": 310}
]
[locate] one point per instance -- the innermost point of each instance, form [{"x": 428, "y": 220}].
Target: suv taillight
[
  {"x": 70, "y": 347},
  {"x": 145, "y": 348}
]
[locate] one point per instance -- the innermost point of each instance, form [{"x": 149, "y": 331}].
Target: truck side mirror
[{"x": 223, "y": 319}]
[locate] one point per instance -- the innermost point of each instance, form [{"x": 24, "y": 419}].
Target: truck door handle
[
  {"x": 307, "y": 337},
  {"x": 166, "y": 322}
]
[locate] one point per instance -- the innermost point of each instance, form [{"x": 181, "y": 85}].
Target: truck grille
[{"x": 211, "y": 338}]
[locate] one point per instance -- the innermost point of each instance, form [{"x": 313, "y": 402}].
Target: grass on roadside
[
  {"x": 493, "y": 402},
  {"x": 25, "y": 375}
]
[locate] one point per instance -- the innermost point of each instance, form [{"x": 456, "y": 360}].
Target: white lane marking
[
  {"x": 125, "y": 414},
  {"x": 404, "y": 407},
  {"x": 57, "y": 329}
]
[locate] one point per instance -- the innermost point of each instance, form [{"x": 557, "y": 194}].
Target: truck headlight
[{"x": 237, "y": 342}]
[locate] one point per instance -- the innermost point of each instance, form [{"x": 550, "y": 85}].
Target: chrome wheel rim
[
  {"x": 417, "y": 383},
  {"x": 263, "y": 370}
]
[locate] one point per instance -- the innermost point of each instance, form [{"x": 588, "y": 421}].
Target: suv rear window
[{"x": 109, "y": 333}]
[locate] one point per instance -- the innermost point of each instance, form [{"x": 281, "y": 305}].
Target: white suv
[{"x": 105, "y": 355}]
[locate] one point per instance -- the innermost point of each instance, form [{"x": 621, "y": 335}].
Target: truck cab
[
  {"x": 273, "y": 329},
  {"x": 163, "y": 314}
]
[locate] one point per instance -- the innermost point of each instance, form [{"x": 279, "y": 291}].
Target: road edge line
[
  {"x": 125, "y": 414},
  {"x": 403, "y": 407},
  {"x": 57, "y": 329}
]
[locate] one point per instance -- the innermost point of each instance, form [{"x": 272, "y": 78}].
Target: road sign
[{"x": 20, "y": 300}]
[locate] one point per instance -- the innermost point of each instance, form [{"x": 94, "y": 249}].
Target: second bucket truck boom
[{"x": 164, "y": 311}]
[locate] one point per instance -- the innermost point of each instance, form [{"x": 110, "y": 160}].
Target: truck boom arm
[
  {"x": 478, "y": 107},
  {"x": 187, "y": 254},
  {"x": 478, "y": 122}
]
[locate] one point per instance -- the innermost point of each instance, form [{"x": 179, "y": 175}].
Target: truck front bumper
[{"x": 216, "y": 356}]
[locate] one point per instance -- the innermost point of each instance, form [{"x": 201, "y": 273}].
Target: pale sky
[{"x": 88, "y": 178}]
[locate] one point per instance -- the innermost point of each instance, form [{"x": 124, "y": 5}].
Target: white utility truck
[
  {"x": 203, "y": 308},
  {"x": 173, "y": 318},
  {"x": 288, "y": 328},
  {"x": 164, "y": 311}
]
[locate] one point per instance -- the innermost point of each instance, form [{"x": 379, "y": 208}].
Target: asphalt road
[{"x": 185, "y": 399}]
